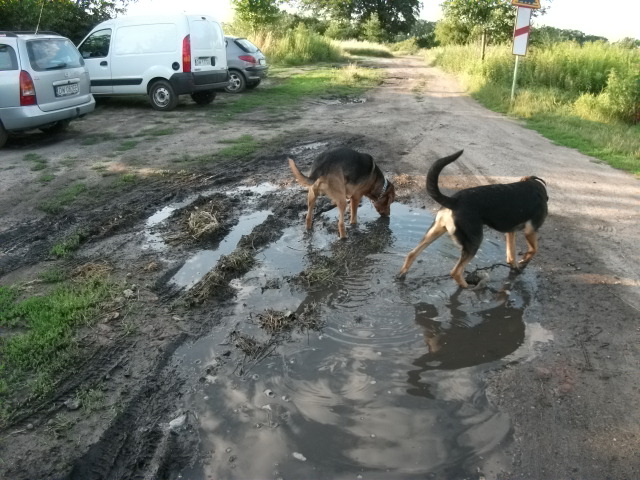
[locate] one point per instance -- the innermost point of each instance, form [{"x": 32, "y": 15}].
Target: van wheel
[
  {"x": 203, "y": 98},
  {"x": 237, "y": 83},
  {"x": 57, "y": 127},
  {"x": 4, "y": 135},
  {"x": 162, "y": 96}
]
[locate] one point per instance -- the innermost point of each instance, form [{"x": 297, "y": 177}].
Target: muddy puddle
[{"x": 382, "y": 378}]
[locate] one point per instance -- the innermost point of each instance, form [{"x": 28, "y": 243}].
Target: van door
[
  {"x": 208, "y": 52},
  {"x": 95, "y": 51}
]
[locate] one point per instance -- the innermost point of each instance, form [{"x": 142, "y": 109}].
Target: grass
[
  {"x": 364, "y": 48},
  {"x": 69, "y": 245},
  {"x": 42, "y": 344},
  {"x": 238, "y": 148},
  {"x": 291, "y": 87},
  {"x": 63, "y": 198},
  {"x": 39, "y": 163},
  {"x": 586, "y": 98},
  {"x": 127, "y": 145}
]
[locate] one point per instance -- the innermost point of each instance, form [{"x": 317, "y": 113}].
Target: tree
[
  {"x": 257, "y": 12},
  {"x": 397, "y": 16},
  {"x": 465, "y": 20},
  {"x": 546, "y": 35},
  {"x": 70, "y": 18}
]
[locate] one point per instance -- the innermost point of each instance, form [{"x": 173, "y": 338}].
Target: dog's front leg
[{"x": 437, "y": 229}]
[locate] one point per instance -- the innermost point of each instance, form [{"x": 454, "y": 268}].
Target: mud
[{"x": 255, "y": 349}]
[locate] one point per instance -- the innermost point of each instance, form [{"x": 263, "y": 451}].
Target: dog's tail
[
  {"x": 302, "y": 179},
  {"x": 432, "y": 180}
]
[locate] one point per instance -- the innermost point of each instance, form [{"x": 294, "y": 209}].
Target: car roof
[{"x": 30, "y": 35}]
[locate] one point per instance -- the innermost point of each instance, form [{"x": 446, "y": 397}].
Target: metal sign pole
[
  {"x": 515, "y": 76},
  {"x": 521, "y": 35}
]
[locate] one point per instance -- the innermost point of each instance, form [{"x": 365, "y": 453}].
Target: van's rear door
[{"x": 208, "y": 51}]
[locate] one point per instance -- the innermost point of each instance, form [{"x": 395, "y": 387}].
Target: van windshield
[{"x": 53, "y": 54}]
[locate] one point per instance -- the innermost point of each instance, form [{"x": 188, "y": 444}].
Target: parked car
[
  {"x": 158, "y": 56},
  {"x": 247, "y": 64},
  {"x": 44, "y": 83}
]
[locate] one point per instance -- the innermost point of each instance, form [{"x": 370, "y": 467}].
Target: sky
[{"x": 613, "y": 19}]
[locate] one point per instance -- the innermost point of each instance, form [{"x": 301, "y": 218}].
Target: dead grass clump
[
  {"x": 246, "y": 344},
  {"x": 273, "y": 321},
  {"x": 217, "y": 280},
  {"x": 92, "y": 270},
  {"x": 203, "y": 222},
  {"x": 409, "y": 181}
]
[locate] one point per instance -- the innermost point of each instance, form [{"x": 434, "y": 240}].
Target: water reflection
[{"x": 465, "y": 339}]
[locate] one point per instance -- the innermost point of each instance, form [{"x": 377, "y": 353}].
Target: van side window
[
  {"x": 97, "y": 45},
  {"x": 8, "y": 59}
]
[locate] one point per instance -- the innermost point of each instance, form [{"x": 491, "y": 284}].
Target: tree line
[{"x": 463, "y": 21}]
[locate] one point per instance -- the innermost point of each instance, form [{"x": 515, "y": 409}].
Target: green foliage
[
  {"x": 368, "y": 49},
  {"x": 296, "y": 47},
  {"x": 256, "y": 13},
  {"x": 547, "y": 36},
  {"x": 465, "y": 20},
  {"x": 394, "y": 17},
  {"x": 71, "y": 18},
  {"x": 372, "y": 29},
  {"x": 424, "y": 33}
]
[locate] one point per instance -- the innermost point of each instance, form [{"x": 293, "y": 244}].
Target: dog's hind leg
[
  {"x": 458, "y": 270},
  {"x": 342, "y": 207},
  {"x": 532, "y": 243},
  {"x": 354, "y": 204},
  {"x": 511, "y": 249},
  {"x": 311, "y": 202},
  {"x": 437, "y": 229}
]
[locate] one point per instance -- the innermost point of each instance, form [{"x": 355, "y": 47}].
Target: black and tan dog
[
  {"x": 503, "y": 207},
  {"x": 344, "y": 173}
]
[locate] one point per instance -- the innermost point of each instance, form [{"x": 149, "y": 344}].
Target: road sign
[
  {"x": 521, "y": 31},
  {"x": 526, "y": 3}
]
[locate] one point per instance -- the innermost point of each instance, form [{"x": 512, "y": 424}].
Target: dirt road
[{"x": 535, "y": 376}]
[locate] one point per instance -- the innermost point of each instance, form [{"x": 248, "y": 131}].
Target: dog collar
[{"x": 384, "y": 188}]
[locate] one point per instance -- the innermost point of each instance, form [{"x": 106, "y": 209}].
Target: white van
[{"x": 159, "y": 56}]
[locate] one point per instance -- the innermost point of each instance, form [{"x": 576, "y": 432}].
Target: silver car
[
  {"x": 43, "y": 83},
  {"x": 247, "y": 64}
]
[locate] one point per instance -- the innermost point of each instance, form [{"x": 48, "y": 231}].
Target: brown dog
[
  {"x": 344, "y": 173},
  {"x": 503, "y": 207}
]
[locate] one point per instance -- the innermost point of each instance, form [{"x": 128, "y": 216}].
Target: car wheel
[
  {"x": 203, "y": 98},
  {"x": 237, "y": 83},
  {"x": 251, "y": 86},
  {"x": 57, "y": 127},
  {"x": 162, "y": 96},
  {"x": 4, "y": 135}
]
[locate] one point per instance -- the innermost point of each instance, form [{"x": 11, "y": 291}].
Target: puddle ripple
[{"x": 391, "y": 388}]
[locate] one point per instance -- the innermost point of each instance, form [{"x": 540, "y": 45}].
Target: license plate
[
  {"x": 262, "y": 61},
  {"x": 65, "y": 90},
  {"x": 202, "y": 61}
]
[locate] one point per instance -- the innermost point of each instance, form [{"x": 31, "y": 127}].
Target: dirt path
[{"x": 556, "y": 404}]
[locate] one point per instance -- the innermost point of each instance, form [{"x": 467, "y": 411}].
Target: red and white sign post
[{"x": 521, "y": 33}]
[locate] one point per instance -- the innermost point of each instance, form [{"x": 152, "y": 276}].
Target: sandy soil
[{"x": 573, "y": 406}]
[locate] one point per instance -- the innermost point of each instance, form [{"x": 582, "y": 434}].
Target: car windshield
[
  {"x": 53, "y": 54},
  {"x": 246, "y": 45}
]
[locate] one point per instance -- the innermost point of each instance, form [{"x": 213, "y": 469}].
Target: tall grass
[
  {"x": 293, "y": 47},
  {"x": 602, "y": 81},
  {"x": 586, "y": 97}
]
